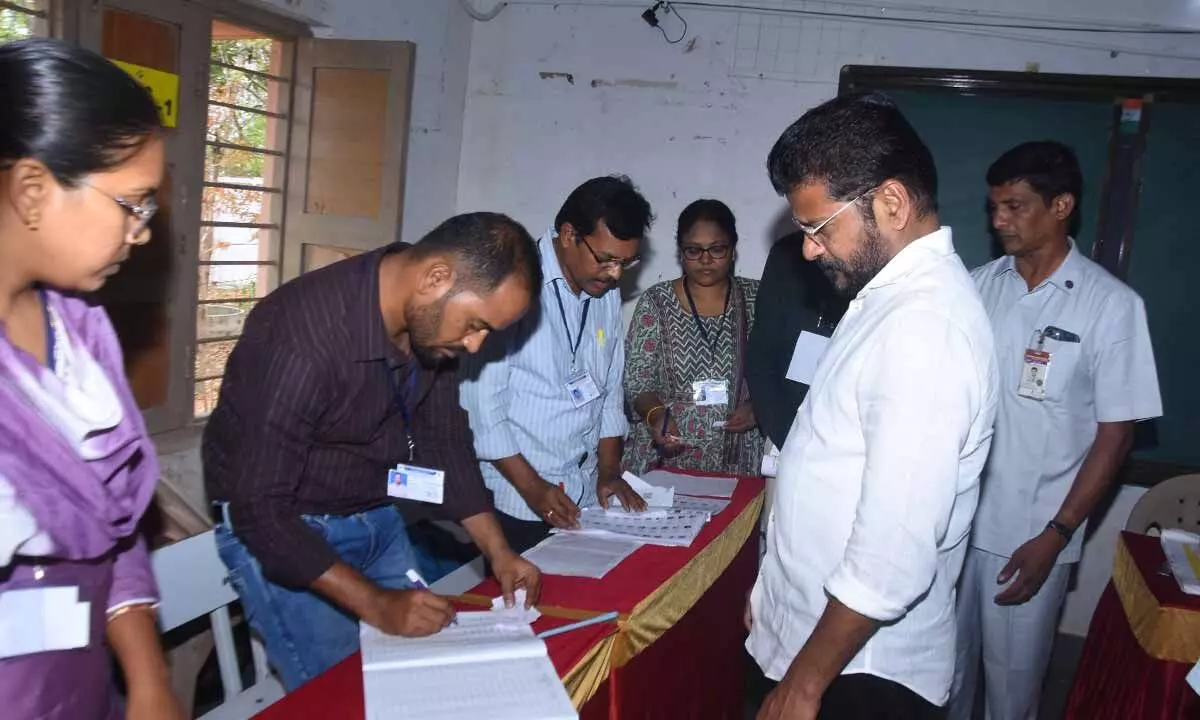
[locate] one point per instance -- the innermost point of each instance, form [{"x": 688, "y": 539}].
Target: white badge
[
  {"x": 809, "y": 349},
  {"x": 1034, "y": 370},
  {"x": 35, "y": 620},
  {"x": 581, "y": 388},
  {"x": 710, "y": 392},
  {"x": 413, "y": 482}
]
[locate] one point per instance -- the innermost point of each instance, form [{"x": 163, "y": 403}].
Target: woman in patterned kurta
[{"x": 685, "y": 357}]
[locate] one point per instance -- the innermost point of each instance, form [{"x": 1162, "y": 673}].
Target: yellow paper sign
[{"x": 163, "y": 87}]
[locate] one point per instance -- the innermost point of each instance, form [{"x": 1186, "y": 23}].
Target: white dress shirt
[
  {"x": 515, "y": 391},
  {"x": 1108, "y": 376},
  {"x": 879, "y": 476}
]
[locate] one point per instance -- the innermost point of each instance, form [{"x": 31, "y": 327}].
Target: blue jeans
[{"x": 304, "y": 633}]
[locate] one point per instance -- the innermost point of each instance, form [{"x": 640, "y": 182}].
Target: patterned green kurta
[{"x": 665, "y": 353}]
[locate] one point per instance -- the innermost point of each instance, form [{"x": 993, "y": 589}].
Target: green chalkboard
[
  {"x": 967, "y": 133},
  {"x": 1164, "y": 262}
]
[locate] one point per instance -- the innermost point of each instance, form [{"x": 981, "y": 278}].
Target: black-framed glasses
[
  {"x": 695, "y": 252},
  {"x": 141, "y": 212},
  {"x": 609, "y": 262}
]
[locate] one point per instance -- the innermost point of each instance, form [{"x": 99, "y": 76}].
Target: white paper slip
[
  {"x": 43, "y": 619},
  {"x": 475, "y": 668},
  {"x": 805, "y": 357},
  {"x": 1193, "y": 678},
  {"x": 770, "y": 461},
  {"x": 580, "y": 555},
  {"x": 1183, "y": 555},
  {"x": 517, "y": 614},
  {"x": 655, "y": 497},
  {"x": 721, "y": 487}
]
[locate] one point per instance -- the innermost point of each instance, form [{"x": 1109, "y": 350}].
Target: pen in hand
[{"x": 415, "y": 578}]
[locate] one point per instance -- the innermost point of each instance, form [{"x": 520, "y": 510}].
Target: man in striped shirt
[{"x": 546, "y": 405}]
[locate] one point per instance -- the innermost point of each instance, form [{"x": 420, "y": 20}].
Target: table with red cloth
[
  {"x": 676, "y": 651},
  {"x": 1143, "y": 640}
]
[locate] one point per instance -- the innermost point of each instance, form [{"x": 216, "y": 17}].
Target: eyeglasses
[
  {"x": 610, "y": 263},
  {"x": 811, "y": 231},
  {"x": 142, "y": 212},
  {"x": 693, "y": 252}
]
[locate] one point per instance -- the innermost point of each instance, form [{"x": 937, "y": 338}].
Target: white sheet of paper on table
[
  {"x": 678, "y": 529},
  {"x": 695, "y": 485},
  {"x": 1178, "y": 545},
  {"x": 577, "y": 555},
  {"x": 477, "y": 667},
  {"x": 517, "y": 614},
  {"x": 805, "y": 357}
]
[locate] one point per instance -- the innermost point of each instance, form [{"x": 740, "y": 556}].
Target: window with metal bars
[{"x": 245, "y": 171}]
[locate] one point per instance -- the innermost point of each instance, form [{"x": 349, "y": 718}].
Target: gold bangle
[
  {"x": 139, "y": 607},
  {"x": 656, "y": 407}
]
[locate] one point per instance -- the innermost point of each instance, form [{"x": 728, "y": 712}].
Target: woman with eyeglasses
[
  {"x": 685, "y": 356},
  {"x": 81, "y": 154}
]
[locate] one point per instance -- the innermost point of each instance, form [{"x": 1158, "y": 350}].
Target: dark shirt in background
[
  {"x": 793, "y": 296},
  {"x": 308, "y": 422}
]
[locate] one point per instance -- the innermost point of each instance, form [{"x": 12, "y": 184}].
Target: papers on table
[
  {"x": 710, "y": 506},
  {"x": 1183, "y": 555},
  {"x": 580, "y": 555},
  {"x": 478, "y": 667},
  {"x": 721, "y": 487},
  {"x": 655, "y": 497},
  {"x": 515, "y": 615},
  {"x": 673, "y": 528}
]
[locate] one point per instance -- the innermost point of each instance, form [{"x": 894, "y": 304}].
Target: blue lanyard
[
  {"x": 402, "y": 403},
  {"x": 566, "y": 326}
]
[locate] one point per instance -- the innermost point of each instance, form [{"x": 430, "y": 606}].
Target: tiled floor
[{"x": 1067, "y": 651}]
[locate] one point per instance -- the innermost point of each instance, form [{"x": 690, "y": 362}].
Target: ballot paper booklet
[{"x": 483, "y": 666}]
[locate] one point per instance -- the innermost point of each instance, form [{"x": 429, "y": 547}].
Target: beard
[
  {"x": 849, "y": 277},
  {"x": 423, "y": 322}
]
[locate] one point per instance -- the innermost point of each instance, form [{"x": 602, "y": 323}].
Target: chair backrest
[
  {"x": 1173, "y": 503},
  {"x": 192, "y": 580}
]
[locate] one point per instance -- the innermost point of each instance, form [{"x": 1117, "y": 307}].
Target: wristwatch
[{"x": 1062, "y": 529}]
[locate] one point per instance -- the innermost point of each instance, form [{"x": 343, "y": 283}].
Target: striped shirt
[
  {"x": 515, "y": 392},
  {"x": 308, "y": 422}
]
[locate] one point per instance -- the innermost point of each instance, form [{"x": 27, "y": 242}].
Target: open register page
[{"x": 480, "y": 667}]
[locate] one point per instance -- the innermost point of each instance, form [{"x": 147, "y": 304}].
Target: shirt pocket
[{"x": 1065, "y": 365}]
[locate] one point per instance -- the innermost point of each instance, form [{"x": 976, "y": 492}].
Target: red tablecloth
[
  {"x": 1117, "y": 678},
  {"x": 691, "y": 669}
]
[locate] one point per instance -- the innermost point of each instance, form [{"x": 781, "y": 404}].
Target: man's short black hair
[
  {"x": 613, "y": 199},
  {"x": 1049, "y": 167},
  {"x": 854, "y": 143},
  {"x": 488, "y": 248}
]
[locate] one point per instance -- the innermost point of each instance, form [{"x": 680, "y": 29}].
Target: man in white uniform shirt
[
  {"x": 547, "y": 405},
  {"x": 853, "y": 610},
  {"x": 1077, "y": 371}
]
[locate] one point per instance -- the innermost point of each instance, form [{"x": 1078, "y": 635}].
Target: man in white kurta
[
  {"x": 1077, "y": 370},
  {"x": 853, "y": 609}
]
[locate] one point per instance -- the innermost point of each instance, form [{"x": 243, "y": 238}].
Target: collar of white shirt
[
  {"x": 551, "y": 268},
  {"x": 1064, "y": 278},
  {"x": 914, "y": 257}
]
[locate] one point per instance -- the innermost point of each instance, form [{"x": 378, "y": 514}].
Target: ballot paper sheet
[
  {"x": 580, "y": 555},
  {"x": 488, "y": 664}
]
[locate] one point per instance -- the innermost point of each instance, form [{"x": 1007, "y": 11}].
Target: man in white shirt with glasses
[{"x": 853, "y": 610}]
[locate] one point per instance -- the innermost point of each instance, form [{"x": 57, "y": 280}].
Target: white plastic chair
[{"x": 193, "y": 582}]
